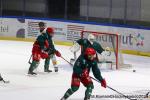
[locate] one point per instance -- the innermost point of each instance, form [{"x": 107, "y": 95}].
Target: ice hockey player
[
  {"x": 41, "y": 49},
  {"x": 51, "y": 51},
  {"x": 81, "y": 72},
  {"x": 90, "y": 42},
  {"x": 38, "y": 52}
]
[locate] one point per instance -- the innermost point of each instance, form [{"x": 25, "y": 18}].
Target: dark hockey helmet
[{"x": 41, "y": 24}]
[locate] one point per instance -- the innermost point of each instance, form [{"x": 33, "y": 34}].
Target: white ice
[{"x": 14, "y": 56}]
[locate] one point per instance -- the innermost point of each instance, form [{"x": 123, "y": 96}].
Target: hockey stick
[
  {"x": 1, "y": 79},
  {"x": 5, "y": 81},
  {"x": 67, "y": 61},
  {"x": 100, "y": 82},
  {"x": 30, "y": 60},
  {"x": 147, "y": 94},
  {"x": 114, "y": 90}
]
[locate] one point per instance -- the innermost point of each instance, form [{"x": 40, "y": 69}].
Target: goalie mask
[
  {"x": 90, "y": 54},
  {"x": 91, "y": 38}
]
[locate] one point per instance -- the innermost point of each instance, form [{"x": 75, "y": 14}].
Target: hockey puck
[{"x": 134, "y": 70}]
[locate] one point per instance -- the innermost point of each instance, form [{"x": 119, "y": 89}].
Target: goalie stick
[{"x": 1, "y": 79}]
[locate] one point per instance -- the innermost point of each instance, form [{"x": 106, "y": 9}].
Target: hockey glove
[
  {"x": 58, "y": 54},
  {"x": 107, "y": 49},
  {"x": 103, "y": 83}
]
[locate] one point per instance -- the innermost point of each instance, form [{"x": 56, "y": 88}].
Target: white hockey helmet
[{"x": 91, "y": 37}]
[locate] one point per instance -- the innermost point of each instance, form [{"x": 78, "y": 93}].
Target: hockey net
[{"x": 113, "y": 41}]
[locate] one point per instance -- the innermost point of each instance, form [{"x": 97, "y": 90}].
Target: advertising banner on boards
[{"x": 131, "y": 38}]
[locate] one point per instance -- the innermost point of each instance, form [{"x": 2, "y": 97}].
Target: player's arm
[
  {"x": 98, "y": 47},
  {"x": 102, "y": 51},
  {"x": 98, "y": 76},
  {"x": 77, "y": 45},
  {"x": 52, "y": 50},
  {"x": 96, "y": 72}
]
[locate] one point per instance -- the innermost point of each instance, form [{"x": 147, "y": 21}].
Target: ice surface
[{"x": 14, "y": 65}]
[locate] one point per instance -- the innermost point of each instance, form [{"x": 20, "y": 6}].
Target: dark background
[{"x": 126, "y": 12}]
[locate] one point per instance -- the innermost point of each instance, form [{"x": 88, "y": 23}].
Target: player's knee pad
[
  {"x": 44, "y": 55},
  {"x": 90, "y": 86},
  {"x": 48, "y": 58},
  {"x": 36, "y": 57},
  {"x": 86, "y": 81},
  {"x": 74, "y": 88}
]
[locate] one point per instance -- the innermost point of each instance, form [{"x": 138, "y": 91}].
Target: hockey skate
[
  {"x": 87, "y": 97},
  {"x": 47, "y": 70},
  {"x": 63, "y": 98},
  {"x": 32, "y": 73}
]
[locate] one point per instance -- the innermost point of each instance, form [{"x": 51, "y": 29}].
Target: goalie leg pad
[{"x": 75, "y": 48}]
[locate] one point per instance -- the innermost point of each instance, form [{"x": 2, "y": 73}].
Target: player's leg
[
  {"x": 75, "y": 84},
  {"x": 46, "y": 66},
  {"x": 69, "y": 92},
  {"x": 88, "y": 91},
  {"x": 87, "y": 82},
  {"x": 34, "y": 64},
  {"x": 54, "y": 61}
]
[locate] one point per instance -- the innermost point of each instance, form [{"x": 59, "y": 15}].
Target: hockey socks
[
  {"x": 88, "y": 93},
  {"x": 70, "y": 91},
  {"x": 33, "y": 66},
  {"x": 46, "y": 66}
]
